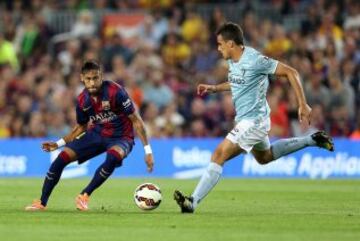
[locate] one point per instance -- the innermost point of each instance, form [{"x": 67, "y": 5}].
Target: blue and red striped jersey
[{"x": 107, "y": 113}]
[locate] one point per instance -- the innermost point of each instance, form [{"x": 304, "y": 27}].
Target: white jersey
[{"x": 249, "y": 82}]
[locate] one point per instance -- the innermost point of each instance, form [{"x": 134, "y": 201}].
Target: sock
[
  {"x": 103, "y": 172},
  {"x": 286, "y": 146},
  {"x": 207, "y": 181},
  {"x": 53, "y": 176}
]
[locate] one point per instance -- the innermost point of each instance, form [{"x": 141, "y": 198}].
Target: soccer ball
[{"x": 147, "y": 196}]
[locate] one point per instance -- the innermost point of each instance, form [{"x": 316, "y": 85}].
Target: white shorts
[{"x": 249, "y": 134}]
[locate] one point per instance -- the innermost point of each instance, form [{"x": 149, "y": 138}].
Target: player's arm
[
  {"x": 75, "y": 132},
  {"x": 128, "y": 108},
  {"x": 139, "y": 127},
  {"x": 294, "y": 78},
  {"x": 203, "y": 89},
  {"x": 82, "y": 119}
]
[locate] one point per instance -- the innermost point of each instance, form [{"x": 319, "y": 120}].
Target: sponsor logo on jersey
[
  {"x": 236, "y": 79},
  {"x": 103, "y": 117}
]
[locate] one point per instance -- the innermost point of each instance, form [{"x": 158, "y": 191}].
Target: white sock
[
  {"x": 283, "y": 147},
  {"x": 207, "y": 181}
]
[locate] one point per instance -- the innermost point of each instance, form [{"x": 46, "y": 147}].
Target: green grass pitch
[{"x": 237, "y": 209}]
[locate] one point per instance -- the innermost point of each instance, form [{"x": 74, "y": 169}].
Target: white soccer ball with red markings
[{"x": 147, "y": 196}]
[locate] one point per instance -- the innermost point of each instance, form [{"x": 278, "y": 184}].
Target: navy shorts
[{"x": 91, "y": 144}]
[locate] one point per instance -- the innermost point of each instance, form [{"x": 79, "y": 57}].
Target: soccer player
[
  {"x": 248, "y": 82},
  {"x": 106, "y": 118}
]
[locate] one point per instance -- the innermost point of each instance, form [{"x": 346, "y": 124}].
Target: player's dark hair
[
  {"x": 231, "y": 31},
  {"x": 89, "y": 65}
]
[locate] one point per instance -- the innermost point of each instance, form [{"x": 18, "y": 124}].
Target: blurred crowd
[{"x": 173, "y": 51}]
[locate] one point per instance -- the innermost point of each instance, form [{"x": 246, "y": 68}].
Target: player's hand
[
  {"x": 304, "y": 113},
  {"x": 149, "y": 160},
  {"x": 203, "y": 89},
  {"x": 49, "y": 146}
]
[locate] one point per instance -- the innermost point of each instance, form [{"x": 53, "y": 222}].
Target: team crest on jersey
[{"x": 105, "y": 105}]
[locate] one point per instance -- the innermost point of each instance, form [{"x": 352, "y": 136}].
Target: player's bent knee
[
  {"x": 68, "y": 155},
  {"x": 263, "y": 159},
  {"x": 117, "y": 154}
]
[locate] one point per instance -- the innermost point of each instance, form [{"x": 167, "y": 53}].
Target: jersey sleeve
[
  {"x": 123, "y": 100},
  {"x": 266, "y": 65},
  {"x": 81, "y": 116}
]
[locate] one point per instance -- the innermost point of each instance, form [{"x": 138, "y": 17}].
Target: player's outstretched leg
[
  {"x": 113, "y": 159},
  {"x": 51, "y": 179},
  {"x": 207, "y": 182},
  {"x": 286, "y": 146},
  {"x": 225, "y": 151}
]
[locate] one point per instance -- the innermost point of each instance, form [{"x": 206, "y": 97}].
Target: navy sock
[
  {"x": 103, "y": 172},
  {"x": 53, "y": 176}
]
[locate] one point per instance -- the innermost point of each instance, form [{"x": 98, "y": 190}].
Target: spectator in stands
[
  {"x": 355, "y": 135},
  {"x": 156, "y": 91},
  {"x": 57, "y": 125},
  {"x": 5, "y": 122},
  {"x": 35, "y": 82},
  {"x": 315, "y": 91},
  {"x": 84, "y": 27},
  {"x": 341, "y": 96},
  {"x": 150, "y": 112},
  {"x": 329, "y": 31},
  {"x": 311, "y": 22},
  {"x": 170, "y": 121},
  {"x": 340, "y": 123},
  {"x": 352, "y": 19},
  {"x": 216, "y": 20},
  {"x": 203, "y": 58},
  {"x": 278, "y": 116},
  {"x": 68, "y": 56},
  {"x": 175, "y": 51},
  {"x": 198, "y": 129},
  {"x": 7, "y": 53},
  {"x": 147, "y": 34},
  {"x": 115, "y": 47},
  {"x": 193, "y": 27},
  {"x": 279, "y": 43},
  {"x": 35, "y": 127}
]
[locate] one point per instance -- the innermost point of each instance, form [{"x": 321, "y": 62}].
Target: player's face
[
  {"x": 92, "y": 80},
  {"x": 224, "y": 47}
]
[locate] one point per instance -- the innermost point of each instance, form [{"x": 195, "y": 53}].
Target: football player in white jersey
[{"x": 248, "y": 82}]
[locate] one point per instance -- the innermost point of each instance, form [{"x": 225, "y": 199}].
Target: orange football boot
[
  {"x": 35, "y": 206},
  {"x": 82, "y": 201}
]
